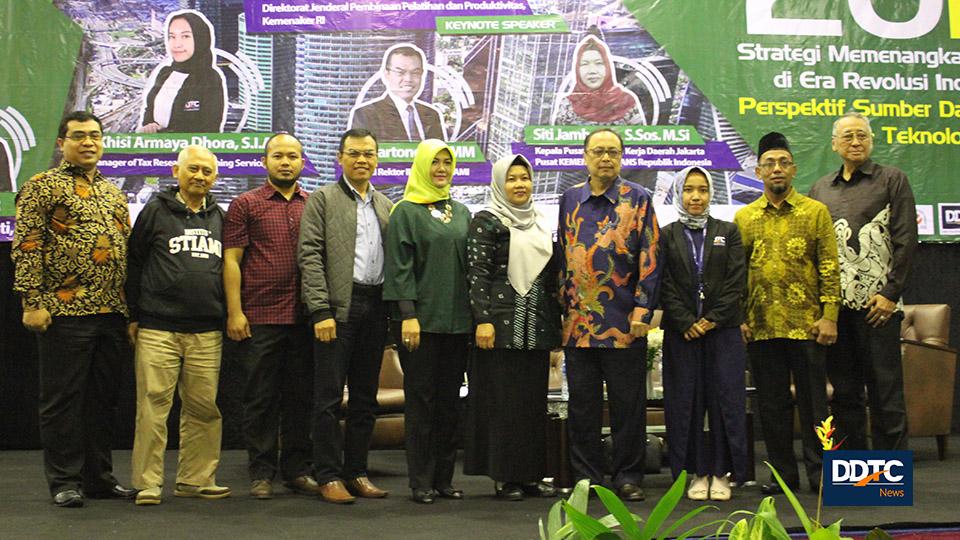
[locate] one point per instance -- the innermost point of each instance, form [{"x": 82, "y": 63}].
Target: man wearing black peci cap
[{"x": 793, "y": 288}]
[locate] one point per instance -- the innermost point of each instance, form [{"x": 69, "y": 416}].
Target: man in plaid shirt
[{"x": 264, "y": 312}]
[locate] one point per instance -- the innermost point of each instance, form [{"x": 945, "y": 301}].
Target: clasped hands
[{"x": 698, "y": 329}]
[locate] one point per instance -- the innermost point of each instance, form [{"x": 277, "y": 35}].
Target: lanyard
[{"x": 698, "y": 263}]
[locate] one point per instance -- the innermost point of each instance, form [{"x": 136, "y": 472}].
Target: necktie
[{"x": 412, "y": 124}]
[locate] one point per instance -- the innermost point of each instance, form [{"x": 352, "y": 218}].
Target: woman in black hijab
[{"x": 188, "y": 93}]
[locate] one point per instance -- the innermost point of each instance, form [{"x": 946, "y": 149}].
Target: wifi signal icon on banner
[{"x": 16, "y": 138}]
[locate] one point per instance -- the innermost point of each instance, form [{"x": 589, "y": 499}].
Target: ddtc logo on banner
[{"x": 868, "y": 478}]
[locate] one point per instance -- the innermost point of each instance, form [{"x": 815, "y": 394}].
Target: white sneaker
[
  {"x": 720, "y": 488},
  {"x": 149, "y": 496},
  {"x": 699, "y": 488}
]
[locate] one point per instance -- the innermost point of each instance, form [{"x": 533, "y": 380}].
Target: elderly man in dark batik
[{"x": 608, "y": 235}]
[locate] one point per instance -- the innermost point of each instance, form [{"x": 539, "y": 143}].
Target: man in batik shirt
[
  {"x": 608, "y": 234},
  {"x": 793, "y": 289},
  {"x": 70, "y": 252}
]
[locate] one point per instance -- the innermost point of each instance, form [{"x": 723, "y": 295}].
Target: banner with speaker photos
[{"x": 684, "y": 82}]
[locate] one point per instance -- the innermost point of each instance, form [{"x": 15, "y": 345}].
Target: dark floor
[{"x": 26, "y": 512}]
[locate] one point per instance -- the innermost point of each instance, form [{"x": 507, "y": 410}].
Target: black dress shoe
[
  {"x": 539, "y": 489},
  {"x": 510, "y": 491},
  {"x": 631, "y": 492},
  {"x": 115, "y": 492},
  {"x": 422, "y": 496},
  {"x": 771, "y": 489},
  {"x": 68, "y": 498},
  {"x": 775, "y": 489},
  {"x": 449, "y": 492}
]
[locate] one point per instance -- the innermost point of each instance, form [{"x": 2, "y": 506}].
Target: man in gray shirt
[
  {"x": 341, "y": 263},
  {"x": 875, "y": 220}
]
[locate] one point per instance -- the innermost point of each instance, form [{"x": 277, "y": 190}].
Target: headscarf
[
  {"x": 531, "y": 241},
  {"x": 202, "y": 43},
  {"x": 689, "y": 220},
  {"x": 608, "y": 103},
  {"x": 420, "y": 188}
]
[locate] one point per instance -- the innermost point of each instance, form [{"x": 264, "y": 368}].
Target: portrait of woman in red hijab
[{"x": 597, "y": 98}]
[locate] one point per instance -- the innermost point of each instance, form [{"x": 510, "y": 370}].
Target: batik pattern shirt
[
  {"x": 792, "y": 278},
  {"x": 70, "y": 243},
  {"x": 875, "y": 221},
  {"x": 609, "y": 264}
]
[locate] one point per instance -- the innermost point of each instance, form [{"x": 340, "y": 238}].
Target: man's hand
[
  {"x": 746, "y": 332},
  {"x": 695, "y": 331},
  {"x": 706, "y": 325},
  {"x": 880, "y": 310},
  {"x": 132, "y": 329},
  {"x": 325, "y": 331},
  {"x": 37, "y": 320},
  {"x": 638, "y": 328},
  {"x": 410, "y": 334},
  {"x": 152, "y": 127},
  {"x": 485, "y": 336},
  {"x": 825, "y": 331},
  {"x": 238, "y": 328}
]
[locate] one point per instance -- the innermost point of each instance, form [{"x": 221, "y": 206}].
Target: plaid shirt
[{"x": 267, "y": 226}]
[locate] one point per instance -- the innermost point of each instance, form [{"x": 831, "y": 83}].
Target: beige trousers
[{"x": 163, "y": 359}]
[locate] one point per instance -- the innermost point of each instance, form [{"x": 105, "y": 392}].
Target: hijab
[
  {"x": 531, "y": 241},
  {"x": 611, "y": 101},
  {"x": 202, "y": 44},
  {"x": 420, "y": 188},
  {"x": 689, "y": 220}
]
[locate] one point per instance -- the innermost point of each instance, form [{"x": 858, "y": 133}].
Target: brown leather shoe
[
  {"x": 261, "y": 489},
  {"x": 335, "y": 492},
  {"x": 304, "y": 485},
  {"x": 363, "y": 487}
]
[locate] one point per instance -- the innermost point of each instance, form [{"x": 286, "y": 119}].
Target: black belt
[{"x": 368, "y": 290}]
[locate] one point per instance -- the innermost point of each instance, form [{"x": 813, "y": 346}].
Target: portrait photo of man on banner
[{"x": 398, "y": 114}]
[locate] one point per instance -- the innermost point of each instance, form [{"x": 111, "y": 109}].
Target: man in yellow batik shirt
[{"x": 791, "y": 307}]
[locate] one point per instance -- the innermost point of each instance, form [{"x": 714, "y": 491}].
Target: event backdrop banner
[{"x": 684, "y": 82}]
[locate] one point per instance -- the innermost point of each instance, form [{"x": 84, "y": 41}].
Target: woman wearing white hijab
[
  {"x": 512, "y": 272},
  {"x": 703, "y": 353}
]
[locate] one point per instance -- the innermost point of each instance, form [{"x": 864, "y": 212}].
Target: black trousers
[
  {"x": 353, "y": 358},
  {"x": 625, "y": 372},
  {"x": 80, "y": 362},
  {"x": 772, "y": 362},
  {"x": 432, "y": 376},
  {"x": 868, "y": 357},
  {"x": 277, "y": 400}
]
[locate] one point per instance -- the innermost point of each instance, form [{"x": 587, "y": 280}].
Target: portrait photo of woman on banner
[
  {"x": 597, "y": 98},
  {"x": 187, "y": 92}
]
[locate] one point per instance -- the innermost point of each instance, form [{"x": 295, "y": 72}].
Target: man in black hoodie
[{"x": 175, "y": 292}]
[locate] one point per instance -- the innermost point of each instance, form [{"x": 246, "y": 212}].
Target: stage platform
[{"x": 26, "y": 511}]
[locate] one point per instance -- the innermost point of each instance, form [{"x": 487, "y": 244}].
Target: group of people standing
[{"x": 312, "y": 286}]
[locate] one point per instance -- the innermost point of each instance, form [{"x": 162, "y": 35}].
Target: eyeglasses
[
  {"x": 79, "y": 136},
  {"x": 860, "y": 136},
  {"x": 770, "y": 165},
  {"x": 402, "y": 73},
  {"x": 354, "y": 154},
  {"x": 600, "y": 152}
]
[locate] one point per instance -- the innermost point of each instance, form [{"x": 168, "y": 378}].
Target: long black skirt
[{"x": 505, "y": 428}]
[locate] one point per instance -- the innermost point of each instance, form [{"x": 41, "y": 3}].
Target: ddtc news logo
[{"x": 868, "y": 478}]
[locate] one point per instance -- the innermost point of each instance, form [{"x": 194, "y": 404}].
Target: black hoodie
[{"x": 175, "y": 266}]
